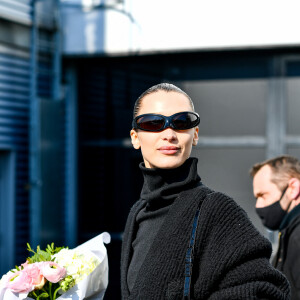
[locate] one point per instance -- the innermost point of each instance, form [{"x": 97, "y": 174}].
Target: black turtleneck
[{"x": 160, "y": 189}]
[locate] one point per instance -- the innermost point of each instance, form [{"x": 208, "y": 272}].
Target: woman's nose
[{"x": 169, "y": 134}]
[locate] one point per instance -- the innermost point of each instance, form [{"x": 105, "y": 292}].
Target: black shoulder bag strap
[{"x": 189, "y": 258}]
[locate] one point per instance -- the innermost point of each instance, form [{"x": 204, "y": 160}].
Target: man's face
[{"x": 265, "y": 191}]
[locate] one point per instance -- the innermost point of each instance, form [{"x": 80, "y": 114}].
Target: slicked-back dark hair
[{"x": 167, "y": 87}]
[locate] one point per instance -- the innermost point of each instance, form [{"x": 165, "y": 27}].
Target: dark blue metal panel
[
  {"x": 28, "y": 77},
  {"x": 44, "y": 78},
  {"x": 14, "y": 116},
  {"x": 45, "y": 66},
  {"x": 7, "y": 210},
  {"x": 71, "y": 158}
]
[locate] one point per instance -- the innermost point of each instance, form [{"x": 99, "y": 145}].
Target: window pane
[
  {"x": 293, "y": 105},
  {"x": 294, "y": 151},
  {"x": 229, "y": 107},
  {"x": 227, "y": 170}
]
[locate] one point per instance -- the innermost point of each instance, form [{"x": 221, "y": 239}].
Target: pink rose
[
  {"x": 34, "y": 272},
  {"x": 53, "y": 272},
  {"x": 20, "y": 282}
]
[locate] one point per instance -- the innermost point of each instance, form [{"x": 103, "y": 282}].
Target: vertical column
[
  {"x": 57, "y": 53},
  {"x": 34, "y": 139},
  {"x": 276, "y": 110},
  {"x": 71, "y": 157},
  {"x": 276, "y": 119}
]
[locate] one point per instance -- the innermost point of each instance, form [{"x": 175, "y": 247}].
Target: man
[{"x": 276, "y": 187}]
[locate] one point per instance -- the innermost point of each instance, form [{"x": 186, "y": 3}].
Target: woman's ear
[
  {"x": 196, "y": 137},
  {"x": 135, "y": 139}
]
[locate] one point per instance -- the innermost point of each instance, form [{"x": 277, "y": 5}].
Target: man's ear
[
  {"x": 196, "y": 137},
  {"x": 134, "y": 139},
  {"x": 294, "y": 185}
]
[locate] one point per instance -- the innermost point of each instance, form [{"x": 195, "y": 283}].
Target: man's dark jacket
[
  {"x": 287, "y": 258},
  {"x": 231, "y": 258}
]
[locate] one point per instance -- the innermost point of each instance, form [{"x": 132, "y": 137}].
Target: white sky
[
  {"x": 162, "y": 25},
  {"x": 174, "y": 24}
]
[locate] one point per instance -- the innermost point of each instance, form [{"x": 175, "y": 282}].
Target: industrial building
[{"x": 70, "y": 72}]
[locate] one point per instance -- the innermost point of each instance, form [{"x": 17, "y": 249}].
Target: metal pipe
[
  {"x": 57, "y": 54},
  {"x": 71, "y": 158},
  {"x": 34, "y": 135}
]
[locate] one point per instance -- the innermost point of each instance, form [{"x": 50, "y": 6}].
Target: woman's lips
[{"x": 168, "y": 150}]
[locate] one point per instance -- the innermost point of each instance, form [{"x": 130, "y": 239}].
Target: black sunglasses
[{"x": 179, "y": 121}]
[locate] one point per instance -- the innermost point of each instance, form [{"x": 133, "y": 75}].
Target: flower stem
[
  {"x": 35, "y": 295},
  {"x": 50, "y": 290},
  {"x": 55, "y": 292},
  {"x": 43, "y": 295}
]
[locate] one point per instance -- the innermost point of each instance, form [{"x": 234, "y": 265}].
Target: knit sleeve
[{"x": 235, "y": 257}]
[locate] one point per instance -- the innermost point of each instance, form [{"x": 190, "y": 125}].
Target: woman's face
[{"x": 168, "y": 148}]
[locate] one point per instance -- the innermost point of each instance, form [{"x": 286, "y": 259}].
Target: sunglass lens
[
  {"x": 150, "y": 123},
  {"x": 185, "y": 121}
]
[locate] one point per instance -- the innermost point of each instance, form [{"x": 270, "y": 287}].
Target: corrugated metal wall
[
  {"x": 16, "y": 10},
  {"x": 16, "y": 94},
  {"x": 14, "y": 109},
  {"x": 14, "y": 117},
  {"x": 16, "y": 19},
  {"x": 50, "y": 141}
]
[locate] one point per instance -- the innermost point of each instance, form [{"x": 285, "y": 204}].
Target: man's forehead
[
  {"x": 261, "y": 178},
  {"x": 264, "y": 172}
]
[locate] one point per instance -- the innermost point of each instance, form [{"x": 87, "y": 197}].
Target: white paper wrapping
[{"x": 93, "y": 286}]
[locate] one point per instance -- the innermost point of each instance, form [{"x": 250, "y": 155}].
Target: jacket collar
[{"x": 289, "y": 218}]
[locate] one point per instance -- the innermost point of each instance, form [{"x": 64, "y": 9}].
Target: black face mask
[{"x": 272, "y": 215}]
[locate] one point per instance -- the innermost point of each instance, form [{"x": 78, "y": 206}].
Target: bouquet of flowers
[{"x": 60, "y": 273}]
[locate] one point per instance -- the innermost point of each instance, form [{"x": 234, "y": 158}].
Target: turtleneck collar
[{"x": 165, "y": 184}]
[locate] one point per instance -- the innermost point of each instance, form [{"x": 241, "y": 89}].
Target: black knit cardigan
[{"x": 231, "y": 258}]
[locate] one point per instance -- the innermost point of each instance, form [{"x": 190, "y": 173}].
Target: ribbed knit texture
[
  {"x": 231, "y": 257},
  {"x": 164, "y": 185},
  {"x": 160, "y": 189}
]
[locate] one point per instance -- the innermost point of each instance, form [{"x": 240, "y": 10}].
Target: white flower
[
  {"x": 5, "y": 278},
  {"x": 78, "y": 264}
]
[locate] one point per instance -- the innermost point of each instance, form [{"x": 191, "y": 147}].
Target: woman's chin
[{"x": 169, "y": 162}]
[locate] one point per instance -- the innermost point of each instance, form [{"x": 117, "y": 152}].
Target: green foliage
[
  {"x": 41, "y": 255},
  {"x": 48, "y": 292},
  {"x": 53, "y": 250}
]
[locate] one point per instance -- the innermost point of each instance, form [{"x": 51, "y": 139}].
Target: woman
[{"x": 183, "y": 240}]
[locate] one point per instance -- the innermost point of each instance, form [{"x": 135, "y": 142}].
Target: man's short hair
[{"x": 283, "y": 168}]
